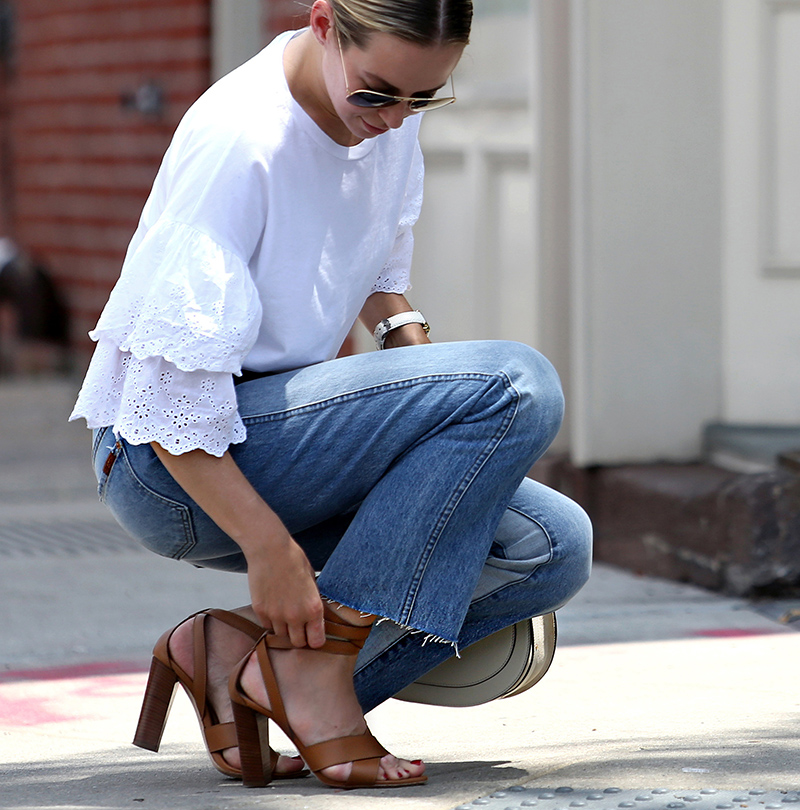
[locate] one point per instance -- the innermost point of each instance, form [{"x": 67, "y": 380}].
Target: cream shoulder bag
[{"x": 501, "y": 665}]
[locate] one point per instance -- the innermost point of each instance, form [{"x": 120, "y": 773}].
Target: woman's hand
[
  {"x": 284, "y": 595},
  {"x": 282, "y": 584}
]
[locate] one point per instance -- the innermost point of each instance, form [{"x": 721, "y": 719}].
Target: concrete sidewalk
[{"x": 654, "y": 684}]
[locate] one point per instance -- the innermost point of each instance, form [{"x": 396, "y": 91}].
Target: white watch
[{"x": 395, "y": 322}]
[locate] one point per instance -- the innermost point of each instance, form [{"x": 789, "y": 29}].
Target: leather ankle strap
[{"x": 341, "y": 638}]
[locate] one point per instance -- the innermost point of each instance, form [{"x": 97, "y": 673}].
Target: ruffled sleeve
[
  {"x": 395, "y": 275},
  {"x": 185, "y": 311},
  {"x": 180, "y": 320},
  {"x": 151, "y": 400},
  {"x": 183, "y": 297}
]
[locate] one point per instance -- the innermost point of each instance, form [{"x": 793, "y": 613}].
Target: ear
[{"x": 321, "y": 21}]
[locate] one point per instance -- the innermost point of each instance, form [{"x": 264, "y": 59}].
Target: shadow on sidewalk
[{"x": 119, "y": 778}]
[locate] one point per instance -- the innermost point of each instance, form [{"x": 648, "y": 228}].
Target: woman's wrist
[
  {"x": 260, "y": 533},
  {"x": 412, "y": 334},
  {"x": 394, "y": 323}
]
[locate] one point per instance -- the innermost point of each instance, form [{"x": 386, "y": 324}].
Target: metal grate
[
  {"x": 566, "y": 798},
  {"x": 72, "y": 538}
]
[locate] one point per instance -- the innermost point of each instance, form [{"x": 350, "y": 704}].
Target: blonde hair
[{"x": 424, "y": 22}]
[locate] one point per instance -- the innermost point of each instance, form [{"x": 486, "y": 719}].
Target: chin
[{"x": 372, "y": 130}]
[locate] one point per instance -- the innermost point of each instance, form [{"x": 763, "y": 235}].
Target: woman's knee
[
  {"x": 540, "y": 559},
  {"x": 540, "y": 399},
  {"x": 552, "y": 518},
  {"x": 571, "y": 564},
  {"x": 576, "y": 553}
]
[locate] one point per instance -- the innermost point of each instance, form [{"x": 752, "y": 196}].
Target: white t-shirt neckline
[{"x": 309, "y": 125}]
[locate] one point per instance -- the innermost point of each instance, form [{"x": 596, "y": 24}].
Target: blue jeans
[{"x": 402, "y": 475}]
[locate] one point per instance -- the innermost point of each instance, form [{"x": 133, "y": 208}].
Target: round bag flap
[{"x": 501, "y": 665}]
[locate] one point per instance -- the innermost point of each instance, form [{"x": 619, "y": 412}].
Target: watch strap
[{"x": 395, "y": 322}]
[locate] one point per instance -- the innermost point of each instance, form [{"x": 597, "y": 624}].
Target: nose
[{"x": 394, "y": 116}]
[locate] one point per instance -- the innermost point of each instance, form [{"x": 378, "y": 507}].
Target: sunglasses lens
[
  {"x": 430, "y": 103},
  {"x": 363, "y": 98}
]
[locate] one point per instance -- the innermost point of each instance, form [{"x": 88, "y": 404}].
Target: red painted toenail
[{"x": 416, "y": 762}]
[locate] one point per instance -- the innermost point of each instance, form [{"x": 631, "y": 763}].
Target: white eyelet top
[{"x": 258, "y": 245}]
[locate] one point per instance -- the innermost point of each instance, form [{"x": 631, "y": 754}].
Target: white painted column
[
  {"x": 645, "y": 218},
  {"x": 236, "y": 34}
]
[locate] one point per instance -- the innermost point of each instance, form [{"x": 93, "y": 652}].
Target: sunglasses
[{"x": 372, "y": 100}]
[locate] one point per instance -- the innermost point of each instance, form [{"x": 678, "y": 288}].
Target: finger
[
  {"x": 297, "y": 635},
  {"x": 264, "y": 621},
  {"x": 315, "y": 633}
]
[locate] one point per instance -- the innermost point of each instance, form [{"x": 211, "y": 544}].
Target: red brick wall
[
  {"x": 84, "y": 163},
  {"x": 6, "y": 166},
  {"x": 81, "y": 161},
  {"x": 283, "y": 15}
]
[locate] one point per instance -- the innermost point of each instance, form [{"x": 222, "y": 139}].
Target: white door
[
  {"x": 475, "y": 261},
  {"x": 761, "y": 212}
]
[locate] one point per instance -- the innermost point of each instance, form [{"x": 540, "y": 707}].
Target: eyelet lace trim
[
  {"x": 395, "y": 275},
  {"x": 151, "y": 400},
  {"x": 184, "y": 297}
]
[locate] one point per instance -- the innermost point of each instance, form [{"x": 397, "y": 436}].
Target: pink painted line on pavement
[
  {"x": 75, "y": 671},
  {"x": 31, "y": 698},
  {"x": 737, "y": 632}
]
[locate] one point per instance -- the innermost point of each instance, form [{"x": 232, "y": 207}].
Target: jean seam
[
  {"x": 98, "y": 440},
  {"x": 457, "y": 495},
  {"x": 524, "y": 579},
  {"x": 182, "y": 510},
  {"x": 541, "y": 526},
  {"x": 391, "y": 646},
  {"x": 370, "y": 391}
]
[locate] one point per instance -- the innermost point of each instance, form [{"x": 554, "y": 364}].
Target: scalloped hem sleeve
[
  {"x": 395, "y": 277},
  {"x": 152, "y": 400},
  {"x": 185, "y": 297},
  {"x": 180, "y": 320}
]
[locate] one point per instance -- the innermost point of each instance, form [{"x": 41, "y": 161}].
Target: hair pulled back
[{"x": 423, "y": 22}]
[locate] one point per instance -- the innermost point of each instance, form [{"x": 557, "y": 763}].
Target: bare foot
[
  {"x": 321, "y": 704},
  {"x": 225, "y": 647}
]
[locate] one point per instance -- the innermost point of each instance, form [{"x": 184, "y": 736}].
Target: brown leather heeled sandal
[
  {"x": 165, "y": 674},
  {"x": 251, "y": 719}
]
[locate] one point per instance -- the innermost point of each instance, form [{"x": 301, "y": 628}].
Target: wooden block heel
[
  {"x": 165, "y": 673},
  {"x": 158, "y": 697},
  {"x": 252, "y": 734}
]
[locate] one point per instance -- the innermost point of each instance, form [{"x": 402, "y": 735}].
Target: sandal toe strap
[
  {"x": 364, "y": 773},
  {"x": 363, "y": 750}
]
